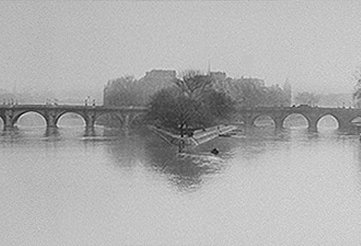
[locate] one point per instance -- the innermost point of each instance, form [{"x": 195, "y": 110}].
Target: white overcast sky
[{"x": 82, "y": 44}]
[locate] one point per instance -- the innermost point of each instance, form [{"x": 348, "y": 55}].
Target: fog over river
[{"x": 266, "y": 187}]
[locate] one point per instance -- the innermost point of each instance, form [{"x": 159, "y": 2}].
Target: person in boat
[{"x": 215, "y": 151}]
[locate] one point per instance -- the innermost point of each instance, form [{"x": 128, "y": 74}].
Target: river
[{"x": 266, "y": 187}]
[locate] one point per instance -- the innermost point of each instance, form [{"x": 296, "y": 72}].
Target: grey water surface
[{"x": 72, "y": 187}]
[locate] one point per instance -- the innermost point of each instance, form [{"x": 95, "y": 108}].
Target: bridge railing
[{"x": 67, "y": 106}]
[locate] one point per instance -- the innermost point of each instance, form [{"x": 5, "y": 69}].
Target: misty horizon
[
  {"x": 75, "y": 45},
  {"x": 89, "y": 91}
]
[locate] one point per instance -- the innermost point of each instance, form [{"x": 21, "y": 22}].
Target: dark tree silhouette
[
  {"x": 193, "y": 84},
  {"x": 170, "y": 108},
  {"x": 173, "y": 108}
]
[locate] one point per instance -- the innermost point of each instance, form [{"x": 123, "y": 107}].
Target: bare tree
[
  {"x": 193, "y": 84},
  {"x": 169, "y": 107}
]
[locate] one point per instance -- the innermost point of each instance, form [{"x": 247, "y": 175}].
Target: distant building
[
  {"x": 219, "y": 80},
  {"x": 160, "y": 74},
  {"x": 221, "y": 76},
  {"x": 158, "y": 79}
]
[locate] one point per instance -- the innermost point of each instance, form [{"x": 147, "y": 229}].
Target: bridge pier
[
  {"x": 248, "y": 120},
  {"x": 278, "y": 123},
  {"x": 89, "y": 132},
  {"x": 125, "y": 125},
  {"x": 51, "y": 120},
  {"x": 51, "y": 131},
  {"x": 90, "y": 121},
  {"x": 344, "y": 125},
  {"x": 249, "y": 124},
  {"x": 8, "y": 120},
  {"x": 312, "y": 125}
]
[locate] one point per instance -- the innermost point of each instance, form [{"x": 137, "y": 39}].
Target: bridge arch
[
  {"x": 102, "y": 114},
  {"x": 322, "y": 116},
  {"x": 64, "y": 114},
  {"x": 356, "y": 119},
  {"x": 354, "y": 123},
  {"x": 16, "y": 117},
  {"x": 264, "y": 116},
  {"x": 81, "y": 114},
  {"x": 295, "y": 119},
  {"x": 2, "y": 121}
]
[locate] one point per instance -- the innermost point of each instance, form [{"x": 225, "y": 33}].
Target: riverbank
[{"x": 199, "y": 136}]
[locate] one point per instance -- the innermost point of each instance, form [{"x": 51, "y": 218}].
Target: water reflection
[
  {"x": 51, "y": 132},
  {"x": 357, "y": 156},
  {"x": 185, "y": 171},
  {"x": 282, "y": 184}
]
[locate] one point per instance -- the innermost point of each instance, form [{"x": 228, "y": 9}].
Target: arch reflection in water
[
  {"x": 185, "y": 171},
  {"x": 51, "y": 132}
]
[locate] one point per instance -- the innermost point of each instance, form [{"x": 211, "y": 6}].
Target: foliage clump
[{"x": 191, "y": 102}]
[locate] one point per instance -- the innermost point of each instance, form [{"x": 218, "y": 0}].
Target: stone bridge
[
  {"x": 10, "y": 114},
  {"x": 344, "y": 116},
  {"x": 52, "y": 113}
]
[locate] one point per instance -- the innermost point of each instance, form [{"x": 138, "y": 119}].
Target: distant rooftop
[{"x": 160, "y": 73}]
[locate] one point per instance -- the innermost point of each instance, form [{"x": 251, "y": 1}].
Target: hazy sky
[{"x": 83, "y": 44}]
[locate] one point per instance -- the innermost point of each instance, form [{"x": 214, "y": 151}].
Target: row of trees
[
  {"x": 249, "y": 92},
  {"x": 126, "y": 91}
]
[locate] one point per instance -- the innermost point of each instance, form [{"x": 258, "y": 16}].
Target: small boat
[
  {"x": 215, "y": 151},
  {"x": 229, "y": 134}
]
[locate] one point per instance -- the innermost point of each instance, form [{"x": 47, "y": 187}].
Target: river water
[{"x": 289, "y": 187}]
